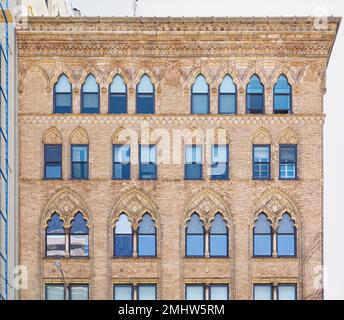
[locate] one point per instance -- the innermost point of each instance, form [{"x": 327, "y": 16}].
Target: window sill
[
  {"x": 135, "y": 258},
  {"x": 262, "y": 258},
  {"x": 51, "y": 258},
  {"x": 207, "y": 258}
]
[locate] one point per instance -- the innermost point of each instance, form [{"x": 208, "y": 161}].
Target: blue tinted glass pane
[
  {"x": 63, "y": 84},
  {"x": 254, "y": 85},
  {"x": 53, "y": 171},
  {"x": 122, "y": 154},
  {"x": 53, "y": 153},
  {"x": 261, "y": 171},
  {"x": 90, "y": 103},
  {"x": 123, "y": 292},
  {"x": 79, "y": 224},
  {"x": 193, "y": 154},
  {"x": 79, "y": 292},
  {"x": 200, "y": 85},
  {"x": 219, "y": 171},
  {"x": 282, "y": 102},
  {"x": 194, "y": 292},
  {"x": 145, "y": 104},
  {"x": 261, "y": 154},
  {"x": 56, "y": 245},
  {"x": 195, "y": 225},
  {"x": 123, "y": 225},
  {"x": 147, "y": 292},
  {"x": 55, "y": 224},
  {"x": 122, "y": 171},
  {"x": 80, "y": 170},
  {"x": 79, "y": 245},
  {"x": 123, "y": 245},
  {"x": 263, "y": 292},
  {"x": 145, "y": 85},
  {"x": 90, "y": 84},
  {"x": 218, "y": 245},
  {"x": 227, "y": 85},
  {"x": 200, "y": 103},
  {"x": 282, "y": 85},
  {"x": 285, "y": 245},
  {"x": 148, "y": 171},
  {"x": 218, "y": 292},
  {"x": 227, "y": 104},
  {"x": 193, "y": 171},
  {"x": 118, "y": 103},
  {"x": 146, "y": 245},
  {"x": 262, "y": 245},
  {"x": 255, "y": 103},
  {"x": 63, "y": 103},
  {"x": 147, "y": 225},
  {"x": 195, "y": 245},
  {"x": 286, "y": 292},
  {"x": 287, "y": 171},
  {"x": 79, "y": 153},
  {"x": 118, "y": 85},
  {"x": 54, "y": 292},
  {"x": 288, "y": 154}
]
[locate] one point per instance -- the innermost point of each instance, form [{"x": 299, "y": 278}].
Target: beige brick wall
[{"x": 171, "y": 195}]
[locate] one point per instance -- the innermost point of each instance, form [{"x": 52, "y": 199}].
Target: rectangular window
[
  {"x": 287, "y": 292},
  {"x": 262, "y": 292},
  {"x": 58, "y": 292},
  {"x": 123, "y": 292},
  {"x": 79, "y": 161},
  {"x": 271, "y": 292},
  {"x": 56, "y": 245},
  {"x": 219, "y": 162},
  {"x": 53, "y": 161},
  {"x": 123, "y": 244},
  {"x": 227, "y": 103},
  {"x": 193, "y": 162},
  {"x": 288, "y": 162},
  {"x": 261, "y": 162},
  {"x": 145, "y": 103},
  {"x": 146, "y": 292},
  {"x": 282, "y": 103},
  {"x": 194, "y": 292},
  {"x": 79, "y": 292},
  {"x": 148, "y": 162},
  {"x": 218, "y": 292},
  {"x": 262, "y": 245},
  {"x": 121, "y": 162},
  {"x": 118, "y": 103},
  {"x": 200, "y": 103}
]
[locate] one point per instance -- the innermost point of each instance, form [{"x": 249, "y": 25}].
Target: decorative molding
[
  {"x": 262, "y": 136},
  {"x": 289, "y": 136},
  {"x": 133, "y": 119},
  {"x": 52, "y": 136},
  {"x": 79, "y": 136}
]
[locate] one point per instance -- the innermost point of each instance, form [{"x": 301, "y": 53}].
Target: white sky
[{"x": 334, "y": 129}]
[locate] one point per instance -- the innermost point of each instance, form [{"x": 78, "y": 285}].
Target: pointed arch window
[
  {"x": 63, "y": 95},
  {"x": 123, "y": 237},
  {"x": 55, "y": 237},
  {"x": 79, "y": 236},
  {"x": 227, "y": 96},
  {"x": 195, "y": 237},
  {"x": 282, "y": 96},
  {"x": 146, "y": 241},
  {"x": 255, "y": 96},
  {"x": 200, "y": 96},
  {"x": 118, "y": 95},
  {"x": 262, "y": 237},
  {"x": 145, "y": 96},
  {"x": 90, "y": 95},
  {"x": 286, "y": 237},
  {"x": 218, "y": 238}
]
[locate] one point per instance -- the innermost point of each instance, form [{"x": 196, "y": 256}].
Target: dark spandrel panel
[
  {"x": 262, "y": 245},
  {"x": 146, "y": 245},
  {"x": 227, "y": 104},
  {"x": 218, "y": 245},
  {"x": 145, "y": 104},
  {"x": 123, "y": 245},
  {"x": 200, "y": 103},
  {"x": 195, "y": 245},
  {"x": 118, "y": 104}
]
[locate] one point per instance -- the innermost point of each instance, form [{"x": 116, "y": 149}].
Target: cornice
[{"x": 171, "y": 119}]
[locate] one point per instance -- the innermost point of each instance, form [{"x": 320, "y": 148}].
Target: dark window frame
[
  {"x": 114, "y": 162},
  {"x": 47, "y": 162},
  {"x": 82, "y": 109},
  {"x": 226, "y": 175},
  {"x": 248, "y": 111},
  {"x": 254, "y": 163},
  {"x": 271, "y": 241},
  {"x": 116, "y": 94},
  {"x": 290, "y": 110},
  {"x": 155, "y": 243},
  {"x": 65, "y": 234},
  {"x": 70, "y": 234},
  {"x": 295, "y": 242},
  {"x": 195, "y": 234},
  {"x": 193, "y": 163},
  {"x": 145, "y": 95},
  {"x": 62, "y": 93},
  {"x": 295, "y": 147},
  {"x": 88, "y": 161},
  {"x": 230, "y": 95},
  {"x": 155, "y": 164}
]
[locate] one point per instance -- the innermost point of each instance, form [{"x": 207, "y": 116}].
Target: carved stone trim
[{"x": 52, "y": 136}]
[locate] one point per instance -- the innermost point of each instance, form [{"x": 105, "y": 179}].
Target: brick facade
[{"x": 173, "y": 52}]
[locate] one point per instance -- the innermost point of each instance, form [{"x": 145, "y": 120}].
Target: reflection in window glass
[
  {"x": 145, "y": 96},
  {"x": 79, "y": 237}
]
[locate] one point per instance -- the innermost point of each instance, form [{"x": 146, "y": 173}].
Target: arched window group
[
  {"x": 200, "y": 96},
  {"x": 268, "y": 242},
  {"x": 118, "y": 95},
  {"x": 64, "y": 242},
  {"x": 131, "y": 243},
  {"x": 201, "y": 242}
]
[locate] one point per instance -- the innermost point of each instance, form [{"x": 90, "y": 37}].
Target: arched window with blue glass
[
  {"x": 195, "y": 237},
  {"x": 145, "y": 100},
  {"x": 90, "y": 95},
  {"x": 282, "y": 96},
  {"x": 286, "y": 237},
  {"x": 255, "y": 96},
  {"x": 218, "y": 237},
  {"x": 123, "y": 237},
  {"x": 79, "y": 236},
  {"x": 63, "y": 95},
  {"x": 262, "y": 237},
  {"x": 200, "y": 103},
  {"x": 55, "y": 237},
  {"x": 227, "y": 96},
  {"x": 118, "y": 95},
  {"x": 146, "y": 240}
]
